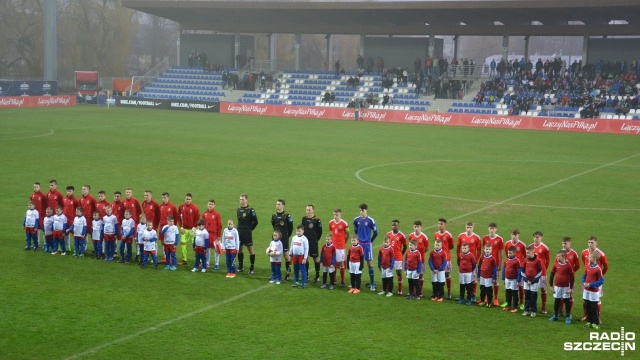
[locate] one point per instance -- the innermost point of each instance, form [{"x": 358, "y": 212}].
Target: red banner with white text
[
  {"x": 37, "y": 101},
  {"x": 477, "y": 120}
]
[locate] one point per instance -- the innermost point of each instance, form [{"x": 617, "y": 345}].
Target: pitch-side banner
[
  {"x": 192, "y": 105},
  {"x": 37, "y": 101},
  {"x": 28, "y": 88},
  {"x": 477, "y": 120}
]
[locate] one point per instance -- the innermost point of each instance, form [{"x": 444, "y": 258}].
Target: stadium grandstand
[{"x": 527, "y": 90}]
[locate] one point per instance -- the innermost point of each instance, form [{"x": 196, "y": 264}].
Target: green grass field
[{"x": 60, "y": 307}]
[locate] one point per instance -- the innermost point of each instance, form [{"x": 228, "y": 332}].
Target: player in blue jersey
[{"x": 367, "y": 231}]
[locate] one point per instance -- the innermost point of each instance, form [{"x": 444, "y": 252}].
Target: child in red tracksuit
[
  {"x": 328, "y": 261},
  {"x": 413, "y": 266}
]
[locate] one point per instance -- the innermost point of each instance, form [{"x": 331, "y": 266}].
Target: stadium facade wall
[
  {"x": 218, "y": 47},
  {"x": 613, "y": 49},
  {"x": 400, "y": 51}
]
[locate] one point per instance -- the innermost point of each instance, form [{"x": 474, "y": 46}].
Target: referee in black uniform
[
  {"x": 247, "y": 221},
  {"x": 282, "y": 221},
  {"x": 313, "y": 233}
]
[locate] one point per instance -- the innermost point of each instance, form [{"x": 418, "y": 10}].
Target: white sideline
[{"x": 166, "y": 323}]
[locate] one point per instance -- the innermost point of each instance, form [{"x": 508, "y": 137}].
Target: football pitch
[{"x": 55, "y": 307}]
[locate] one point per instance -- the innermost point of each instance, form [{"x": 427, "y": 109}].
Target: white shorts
[
  {"x": 340, "y": 255},
  {"x": 354, "y": 268},
  {"x": 413, "y": 274},
  {"x": 447, "y": 268},
  {"x": 532, "y": 287},
  {"x": 600, "y": 293},
  {"x": 387, "y": 273},
  {"x": 397, "y": 265},
  {"x": 561, "y": 292},
  {"x": 543, "y": 282},
  {"x": 328, "y": 269},
  {"x": 511, "y": 284},
  {"x": 486, "y": 282},
  {"x": 439, "y": 277},
  {"x": 466, "y": 278},
  {"x": 590, "y": 295}
]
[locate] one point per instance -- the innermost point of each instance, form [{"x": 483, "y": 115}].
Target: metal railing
[{"x": 138, "y": 82}]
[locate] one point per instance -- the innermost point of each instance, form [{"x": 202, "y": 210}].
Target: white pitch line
[
  {"x": 503, "y": 202},
  {"x": 112, "y": 126},
  {"x": 30, "y": 137},
  {"x": 534, "y": 190},
  {"x": 167, "y": 323}
]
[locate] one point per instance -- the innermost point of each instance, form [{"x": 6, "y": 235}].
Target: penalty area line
[{"x": 166, "y": 323}]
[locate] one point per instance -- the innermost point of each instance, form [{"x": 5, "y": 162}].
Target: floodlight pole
[{"x": 50, "y": 41}]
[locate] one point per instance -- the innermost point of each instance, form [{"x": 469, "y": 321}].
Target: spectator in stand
[
  {"x": 479, "y": 97},
  {"x": 380, "y": 64},
  {"x": 360, "y": 62},
  {"x": 417, "y": 81},
  {"x": 454, "y": 66},
  {"x": 327, "y": 97},
  {"x": 336, "y": 66},
  {"x": 417, "y": 65},
  {"x": 428, "y": 65},
  {"x": 369, "y": 64},
  {"x": 492, "y": 66},
  {"x": 385, "y": 99}
]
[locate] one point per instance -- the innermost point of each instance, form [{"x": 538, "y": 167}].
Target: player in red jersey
[
  {"x": 399, "y": 246},
  {"x": 70, "y": 204},
  {"x": 563, "y": 279},
  {"x": 542, "y": 251},
  {"x": 572, "y": 256},
  {"x": 40, "y": 201},
  {"x": 213, "y": 225},
  {"x": 339, "y": 235},
  {"x": 117, "y": 207},
  {"x": 386, "y": 260},
  {"x": 422, "y": 244},
  {"x": 475, "y": 247},
  {"x": 497, "y": 246},
  {"x": 102, "y": 203},
  {"x": 521, "y": 250},
  {"x": 592, "y": 281},
  {"x": 189, "y": 216},
  {"x": 151, "y": 210},
  {"x": 602, "y": 263},
  {"x": 132, "y": 204},
  {"x": 447, "y": 245},
  {"x": 54, "y": 197},
  {"x": 166, "y": 209},
  {"x": 117, "y": 210},
  {"x": 88, "y": 204}
]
